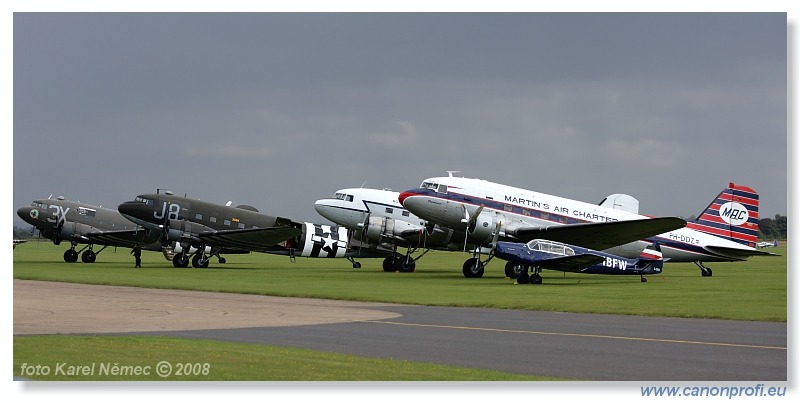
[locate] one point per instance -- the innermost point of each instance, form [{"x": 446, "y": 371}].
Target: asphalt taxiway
[{"x": 584, "y": 347}]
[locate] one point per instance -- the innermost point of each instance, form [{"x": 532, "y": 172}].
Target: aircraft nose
[
  {"x": 131, "y": 209},
  {"x": 27, "y": 214},
  {"x": 404, "y": 195},
  {"x": 322, "y": 208}
]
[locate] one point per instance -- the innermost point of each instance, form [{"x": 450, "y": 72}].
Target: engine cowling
[
  {"x": 482, "y": 229},
  {"x": 378, "y": 228},
  {"x": 180, "y": 230},
  {"x": 73, "y": 231},
  {"x": 324, "y": 241},
  {"x": 177, "y": 248}
]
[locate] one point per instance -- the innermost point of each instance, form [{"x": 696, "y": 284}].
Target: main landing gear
[
  {"x": 402, "y": 263},
  {"x": 519, "y": 272},
  {"x": 704, "y": 271},
  {"x": 398, "y": 262},
  {"x": 199, "y": 260},
  {"x": 474, "y": 266},
  {"x": 88, "y": 255}
]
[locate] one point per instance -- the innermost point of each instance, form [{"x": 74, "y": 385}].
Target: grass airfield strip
[
  {"x": 754, "y": 290},
  {"x": 126, "y": 358}
]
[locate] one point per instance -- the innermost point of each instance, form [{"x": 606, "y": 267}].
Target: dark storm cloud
[{"x": 278, "y": 110}]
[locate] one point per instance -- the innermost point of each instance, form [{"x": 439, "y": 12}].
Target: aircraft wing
[
  {"x": 253, "y": 239},
  {"x": 574, "y": 264},
  {"x": 123, "y": 238},
  {"x": 602, "y": 235}
]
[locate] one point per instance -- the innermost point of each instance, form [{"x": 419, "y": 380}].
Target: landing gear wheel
[
  {"x": 70, "y": 256},
  {"x": 388, "y": 264},
  {"x": 222, "y": 260},
  {"x": 199, "y": 261},
  {"x": 473, "y": 268},
  {"x": 88, "y": 256},
  {"x": 523, "y": 278},
  {"x": 514, "y": 270},
  {"x": 180, "y": 260},
  {"x": 406, "y": 265},
  {"x": 644, "y": 280},
  {"x": 536, "y": 279},
  {"x": 706, "y": 273}
]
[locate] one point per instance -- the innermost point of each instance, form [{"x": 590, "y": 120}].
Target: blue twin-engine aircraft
[{"x": 541, "y": 254}]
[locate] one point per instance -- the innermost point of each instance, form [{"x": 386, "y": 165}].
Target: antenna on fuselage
[{"x": 450, "y": 173}]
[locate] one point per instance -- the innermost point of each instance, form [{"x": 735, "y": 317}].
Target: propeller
[{"x": 471, "y": 221}]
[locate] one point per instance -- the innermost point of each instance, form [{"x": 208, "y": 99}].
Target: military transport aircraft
[
  {"x": 376, "y": 217},
  {"x": 208, "y": 228},
  {"x": 725, "y": 231},
  {"x": 541, "y": 254},
  {"x": 80, "y": 223}
]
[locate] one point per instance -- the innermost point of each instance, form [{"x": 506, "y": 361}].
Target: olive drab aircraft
[
  {"x": 376, "y": 217},
  {"x": 80, "y": 223},
  {"x": 725, "y": 231},
  {"x": 200, "y": 229}
]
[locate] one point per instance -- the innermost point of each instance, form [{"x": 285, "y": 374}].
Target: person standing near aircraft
[{"x": 137, "y": 254}]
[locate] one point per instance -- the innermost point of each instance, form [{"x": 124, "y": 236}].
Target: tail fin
[
  {"x": 732, "y": 215},
  {"x": 651, "y": 260}
]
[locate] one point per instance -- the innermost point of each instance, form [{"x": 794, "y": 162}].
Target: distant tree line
[{"x": 772, "y": 228}]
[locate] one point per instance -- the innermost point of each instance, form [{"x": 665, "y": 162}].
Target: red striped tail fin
[{"x": 732, "y": 215}]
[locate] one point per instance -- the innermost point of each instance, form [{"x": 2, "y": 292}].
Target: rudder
[{"x": 732, "y": 215}]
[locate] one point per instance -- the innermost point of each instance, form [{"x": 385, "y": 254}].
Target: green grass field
[
  {"x": 125, "y": 358},
  {"x": 754, "y": 290}
]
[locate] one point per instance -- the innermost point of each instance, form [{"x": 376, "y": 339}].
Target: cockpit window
[
  {"x": 146, "y": 201},
  {"x": 551, "y": 247},
  {"x": 435, "y": 187},
  {"x": 349, "y": 198}
]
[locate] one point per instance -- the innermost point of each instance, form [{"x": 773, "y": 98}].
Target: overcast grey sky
[{"x": 279, "y": 110}]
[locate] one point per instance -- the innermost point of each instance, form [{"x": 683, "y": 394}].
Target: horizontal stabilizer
[{"x": 737, "y": 254}]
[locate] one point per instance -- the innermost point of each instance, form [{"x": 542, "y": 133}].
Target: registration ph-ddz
[{"x": 163, "y": 369}]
